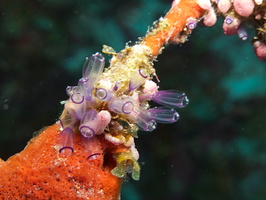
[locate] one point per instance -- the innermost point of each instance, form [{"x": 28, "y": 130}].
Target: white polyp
[
  {"x": 244, "y": 7},
  {"x": 134, "y": 151},
  {"x": 137, "y": 79},
  {"x": 89, "y": 125},
  {"x": 204, "y": 4},
  {"x": 112, "y": 139},
  {"x": 122, "y": 105},
  {"x": 150, "y": 87},
  {"x": 175, "y": 2},
  {"x": 210, "y": 18},
  {"x": 105, "y": 118},
  {"x": 105, "y": 83},
  {"x": 145, "y": 96},
  {"x": 260, "y": 50},
  {"x": 258, "y": 16},
  {"x": 258, "y": 2},
  {"x": 224, "y": 5},
  {"x": 119, "y": 127},
  {"x": 129, "y": 142},
  {"x": 135, "y": 97}
]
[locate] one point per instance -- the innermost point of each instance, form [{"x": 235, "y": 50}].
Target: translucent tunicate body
[
  {"x": 170, "y": 98},
  {"x": 92, "y": 69},
  {"x": 66, "y": 142},
  {"x": 89, "y": 124},
  {"x": 163, "y": 115},
  {"x": 122, "y": 105},
  {"x": 137, "y": 79}
]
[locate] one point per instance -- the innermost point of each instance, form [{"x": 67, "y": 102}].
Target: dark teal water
[{"x": 215, "y": 151}]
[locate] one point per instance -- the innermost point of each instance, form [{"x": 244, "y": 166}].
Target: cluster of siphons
[
  {"x": 236, "y": 13},
  {"x": 117, "y": 108}
]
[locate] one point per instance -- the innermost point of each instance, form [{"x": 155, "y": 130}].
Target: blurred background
[{"x": 217, "y": 149}]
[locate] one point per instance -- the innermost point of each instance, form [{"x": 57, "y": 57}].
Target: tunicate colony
[{"x": 100, "y": 106}]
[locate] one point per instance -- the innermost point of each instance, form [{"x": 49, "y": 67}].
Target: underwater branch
[{"x": 91, "y": 148}]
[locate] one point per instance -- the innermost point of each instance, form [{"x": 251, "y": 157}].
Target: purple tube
[
  {"x": 94, "y": 156},
  {"x": 87, "y": 131},
  {"x": 116, "y": 86},
  {"x": 70, "y": 118},
  {"x": 144, "y": 121},
  {"x": 77, "y": 98},
  {"x": 164, "y": 115},
  {"x": 228, "y": 20},
  {"x": 89, "y": 125},
  {"x": 77, "y": 103},
  {"x": 242, "y": 33},
  {"x": 66, "y": 142},
  {"x": 92, "y": 70},
  {"x": 170, "y": 98},
  {"x": 71, "y": 90},
  {"x": 86, "y": 88},
  {"x": 122, "y": 105},
  {"x": 93, "y": 67},
  {"x": 137, "y": 79},
  {"x": 104, "y": 94},
  {"x": 191, "y": 23}
]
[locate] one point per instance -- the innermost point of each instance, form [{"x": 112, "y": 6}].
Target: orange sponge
[{"x": 40, "y": 172}]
